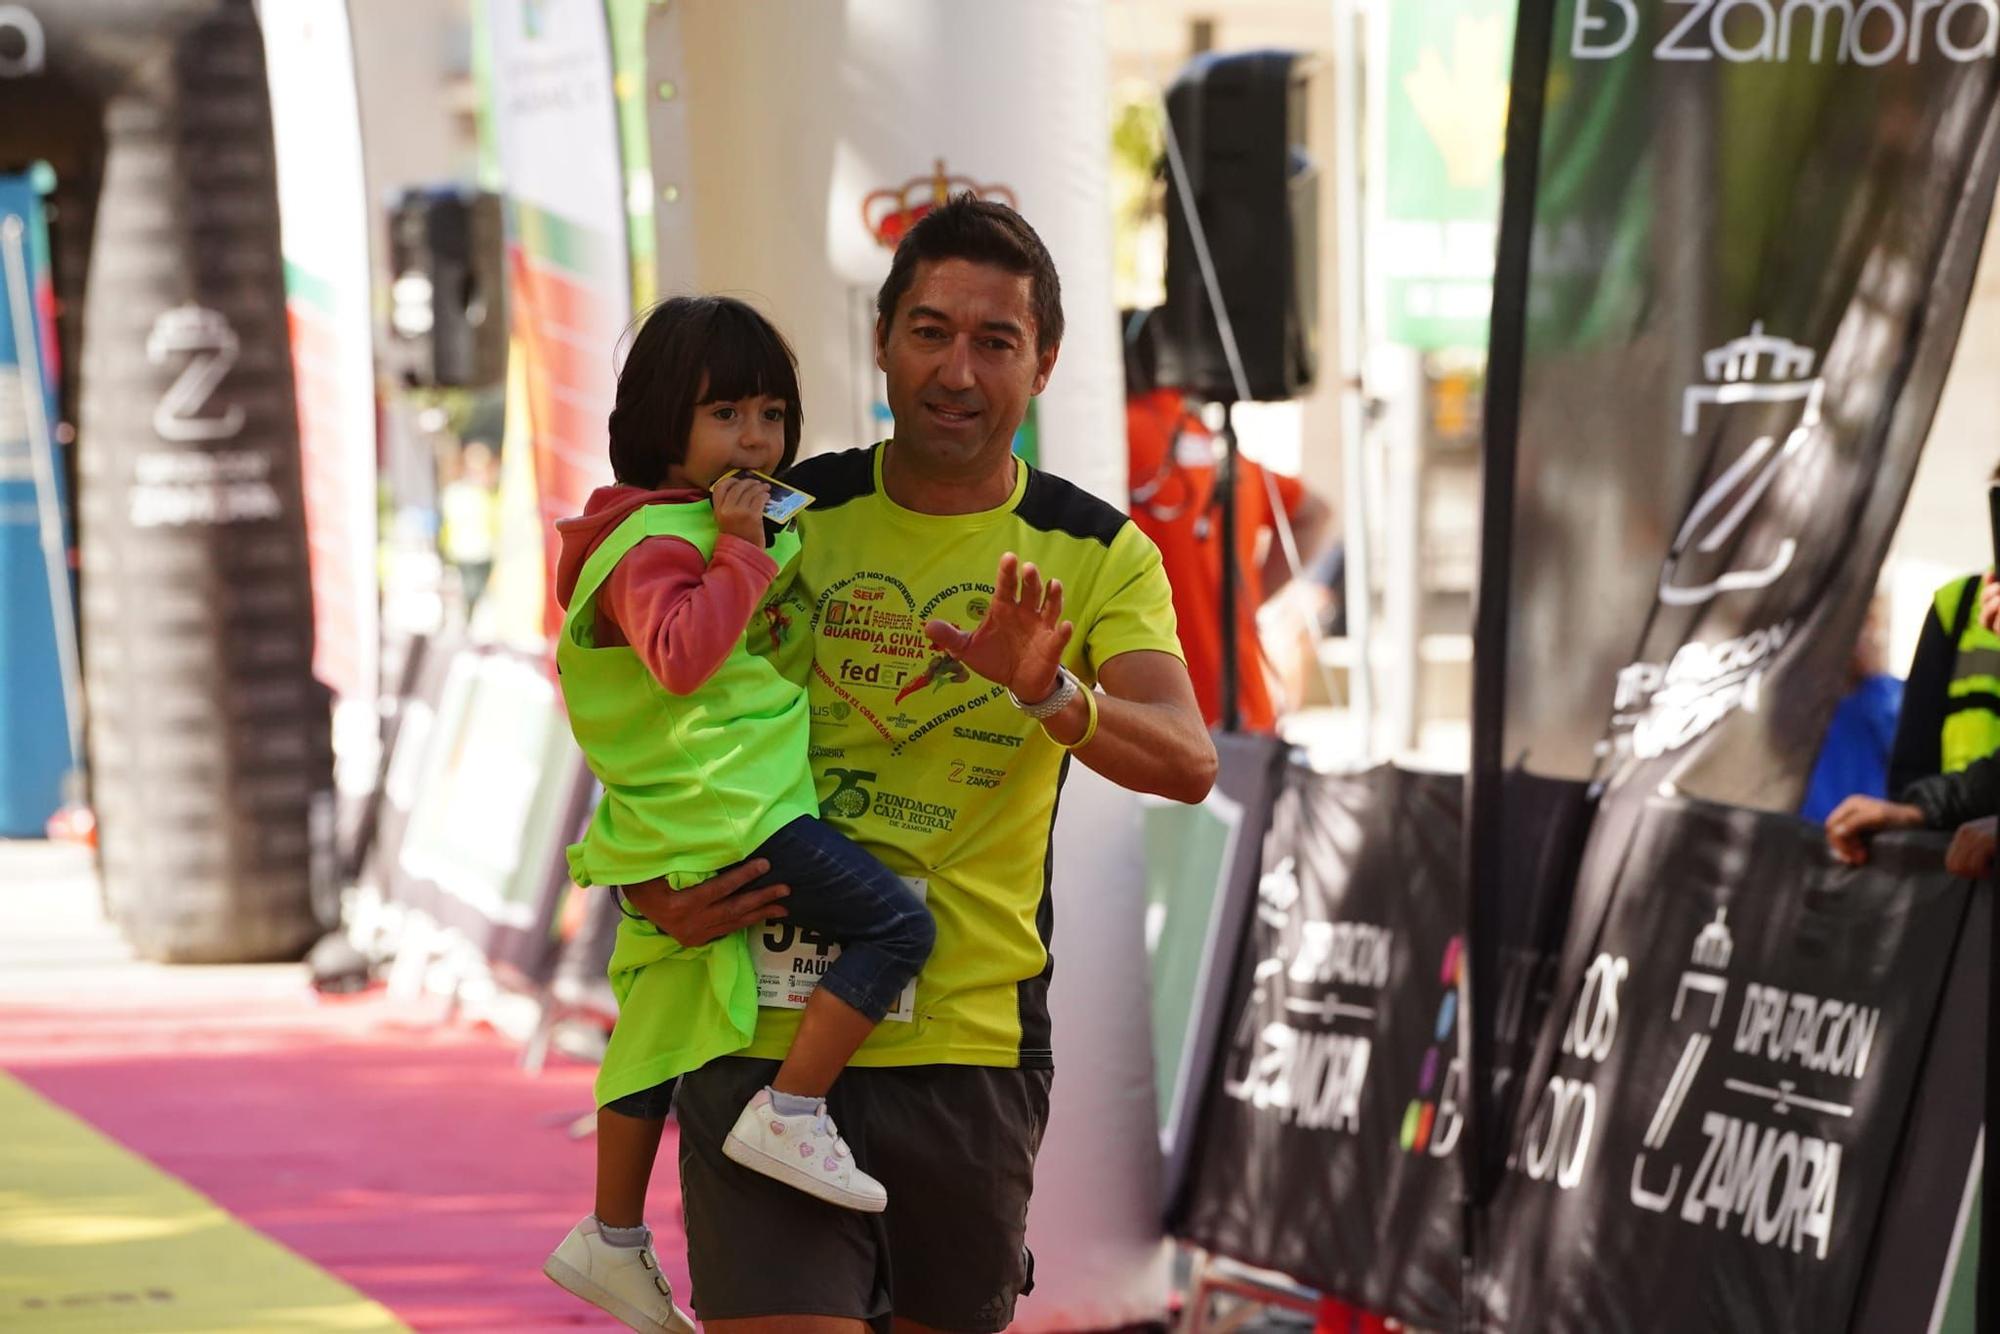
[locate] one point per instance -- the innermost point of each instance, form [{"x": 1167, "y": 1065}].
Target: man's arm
[
  {"x": 1850, "y": 824},
  {"x": 1949, "y": 800},
  {"x": 1971, "y": 850},
  {"x": 1941, "y": 801},
  {"x": 1150, "y": 736},
  {"x": 1310, "y": 520}
]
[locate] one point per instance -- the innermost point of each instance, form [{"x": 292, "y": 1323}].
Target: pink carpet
[{"x": 416, "y": 1162}]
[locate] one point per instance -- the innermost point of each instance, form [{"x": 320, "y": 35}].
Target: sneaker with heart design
[{"x": 805, "y": 1151}]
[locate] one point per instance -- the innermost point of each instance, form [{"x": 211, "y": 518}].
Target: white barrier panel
[
  {"x": 1095, "y": 1226},
  {"x": 323, "y": 217}
]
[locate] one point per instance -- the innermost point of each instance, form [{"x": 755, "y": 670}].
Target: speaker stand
[{"x": 1224, "y": 494}]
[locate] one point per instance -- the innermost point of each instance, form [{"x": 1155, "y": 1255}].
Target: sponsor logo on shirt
[
  {"x": 876, "y": 659},
  {"x": 849, "y": 800},
  {"x": 975, "y": 775},
  {"x": 912, "y": 813},
  {"x": 989, "y": 738}
]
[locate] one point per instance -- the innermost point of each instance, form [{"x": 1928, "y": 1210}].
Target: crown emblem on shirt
[{"x": 889, "y": 214}]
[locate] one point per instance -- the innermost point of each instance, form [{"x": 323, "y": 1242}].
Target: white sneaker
[
  {"x": 805, "y": 1151},
  {"x": 625, "y": 1281}
]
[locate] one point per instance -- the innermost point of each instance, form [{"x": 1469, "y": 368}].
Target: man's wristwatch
[{"x": 1067, "y": 688}]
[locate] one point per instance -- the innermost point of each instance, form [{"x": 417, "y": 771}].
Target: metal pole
[
  {"x": 1394, "y": 437},
  {"x": 1481, "y": 1160},
  {"x": 1225, "y": 496},
  {"x": 1399, "y": 433},
  {"x": 48, "y": 502},
  {"x": 1348, "y": 243}
]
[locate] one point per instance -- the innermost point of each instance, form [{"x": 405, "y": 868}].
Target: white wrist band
[{"x": 1066, "y": 689}]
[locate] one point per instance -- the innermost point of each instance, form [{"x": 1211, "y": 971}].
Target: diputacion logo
[{"x": 1757, "y": 368}]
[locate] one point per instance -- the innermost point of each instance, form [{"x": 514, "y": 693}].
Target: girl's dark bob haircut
[{"x": 692, "y": 350}]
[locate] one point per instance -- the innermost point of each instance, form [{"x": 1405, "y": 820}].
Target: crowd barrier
[{"x": 1762, "y": 1111}]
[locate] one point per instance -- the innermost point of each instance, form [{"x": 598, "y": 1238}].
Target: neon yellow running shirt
[{"x": 929, "y": 767}]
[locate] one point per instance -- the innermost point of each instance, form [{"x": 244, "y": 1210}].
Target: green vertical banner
[
  {"x": 557, "y": 122},
  {"x": 627, "y": 20},
  {"x": 1444, "y": 111}
]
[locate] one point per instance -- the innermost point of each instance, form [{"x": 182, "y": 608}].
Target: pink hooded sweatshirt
[{"x": 682, "y": 617}]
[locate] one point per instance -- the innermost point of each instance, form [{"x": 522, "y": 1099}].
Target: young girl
[{"x": 701, "y": 749}]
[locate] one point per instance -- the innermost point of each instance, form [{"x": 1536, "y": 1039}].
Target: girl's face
[{"x": 732, "y": 433}]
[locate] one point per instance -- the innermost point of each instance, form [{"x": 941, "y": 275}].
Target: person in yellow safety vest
[
  {"x": 469, "y": 513},
  {"x": 1951, "y": 701},
  {"x": 1963, "y": 800}
]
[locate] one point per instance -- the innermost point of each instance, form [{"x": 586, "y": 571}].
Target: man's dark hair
[
  {"x": 680, "y": 342},
  {"x": 984, "y": 232}
]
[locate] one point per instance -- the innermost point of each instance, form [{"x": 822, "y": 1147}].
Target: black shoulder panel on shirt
[
  {"x": 834, "y": 479},
  {"x": 1056, "y": 506}
]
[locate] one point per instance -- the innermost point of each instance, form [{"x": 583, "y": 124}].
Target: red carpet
[{"x": 418, "y": 1163}]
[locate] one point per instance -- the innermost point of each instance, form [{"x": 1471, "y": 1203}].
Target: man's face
[{"x": 960, "y": 355}]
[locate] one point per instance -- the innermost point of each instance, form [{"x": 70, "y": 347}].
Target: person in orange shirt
[{"x": 1171, "y": 456}]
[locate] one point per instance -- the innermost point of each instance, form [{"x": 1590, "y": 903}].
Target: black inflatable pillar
[{"x": 210, "y": 761}]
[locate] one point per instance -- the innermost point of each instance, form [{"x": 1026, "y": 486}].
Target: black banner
[
  {"x": 1713, "y": 1144},
  {"x": 1737, "y": 245},
  {"x": 1736, "y": 248},
  {"x": 1744, "y": 235},
  {"x": 1324, "y": 1147},
  {"x": 1924, "y": 1265},
  {"x": 1757, "y": 1115}
]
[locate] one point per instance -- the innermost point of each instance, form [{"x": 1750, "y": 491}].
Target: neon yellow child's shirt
[
  {"x": 692, "y": 783},
  {"x": 926, "y": 765}
]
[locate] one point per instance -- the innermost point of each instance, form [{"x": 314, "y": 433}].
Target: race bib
[{"x": 791, "y": 960}]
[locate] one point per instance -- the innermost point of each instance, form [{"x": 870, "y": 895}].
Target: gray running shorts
[{"x": 955, "y": 1146}]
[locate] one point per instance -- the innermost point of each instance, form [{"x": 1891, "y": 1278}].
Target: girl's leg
[
  {"x": 885, "y": 935},
  {"x": 830, "y": 1032},
  {"x": 608, "y": 1259},
  {"x": 884, "y": 932},
  {"x": 626, "y": 1148}
]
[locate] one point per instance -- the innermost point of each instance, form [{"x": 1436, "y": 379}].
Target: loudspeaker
[
  {"x": 447, "y": 318},
  {"x": 1241, "y": 122}
]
